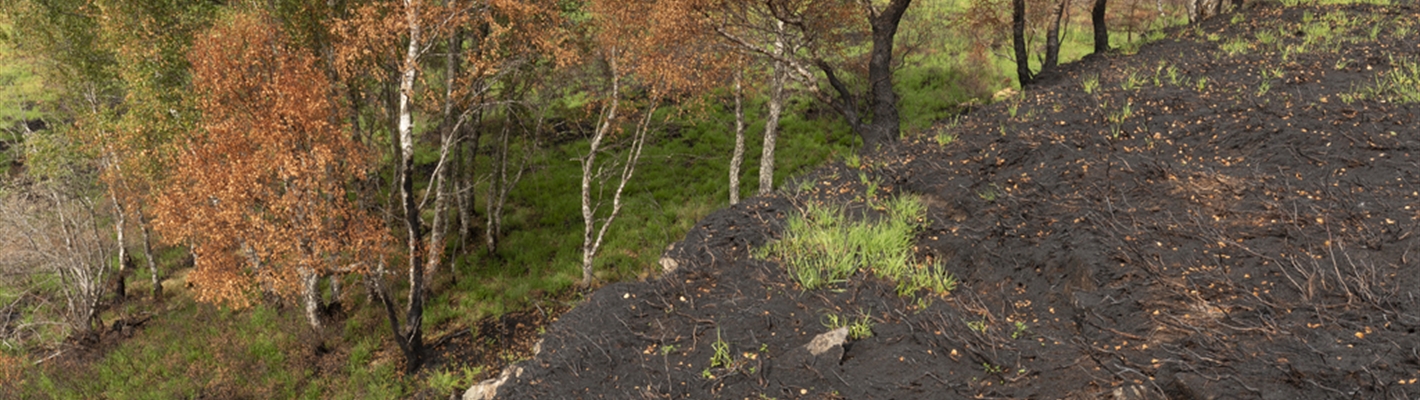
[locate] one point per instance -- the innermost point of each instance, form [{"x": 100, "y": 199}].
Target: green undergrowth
[
  {"x": 1401, "y": 84},
  {"x": 186, "y": 353},
  {"x": 826, "y": 246}
]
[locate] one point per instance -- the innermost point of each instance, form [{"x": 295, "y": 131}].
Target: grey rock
[
  {"x": 827, "y": 341},
  {"x": 488, "y": 389},
  {"x": 668, "y": 262}
]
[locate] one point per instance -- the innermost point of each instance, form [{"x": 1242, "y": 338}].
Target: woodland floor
[{"x": 1245, "y": 237}]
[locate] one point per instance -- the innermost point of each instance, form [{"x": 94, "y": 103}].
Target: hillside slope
[{"x": 1228, "y": 213}]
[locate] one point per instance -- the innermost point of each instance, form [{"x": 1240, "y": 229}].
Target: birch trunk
[
  {"x": 776, "y": 108},
  {"x": 739, "y": 154},
  {"x": 410, "y": 340},
  {"x": 591, "y": 244},
  {"x": 589, "y": 247},
  {"x": 492, "y": 207},
  {"x": 120, "y": 282},
  {"x": 148, "y": 254},
  {"x": 310, "y": 296}
]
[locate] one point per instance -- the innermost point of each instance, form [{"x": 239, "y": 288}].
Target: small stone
[{"x": 827, "y": 340}]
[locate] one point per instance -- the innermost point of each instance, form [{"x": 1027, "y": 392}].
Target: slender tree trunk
[
  {"x": 335, "y": 288},
  {"x": 589, "y": 247},
  {"x": 449, "y": 128},
  {"x": 776, "y": 108},
  {"x": 412, "y": 339},
  {"x": 499, "y": 185},
  {"x": 1097, "y": 16},
  {"x": 310, "y": 295},
  {"x": 121, "y": 279},
  {"x": 466, "y": 193},
  {"x": 1052, "y": 40},
  {"x": 440, "y": 226},
  {"x": 496, "y": 179},
  {"x": 148, "y": 255},
  {"x": 590, "y": 244},
  {"x": 739, "y": 155},
  {"x": 1018, "y": 41}
]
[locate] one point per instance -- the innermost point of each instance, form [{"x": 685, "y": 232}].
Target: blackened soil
[{"x": 1251, "y": 235}]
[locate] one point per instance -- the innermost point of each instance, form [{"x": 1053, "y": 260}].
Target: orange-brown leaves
[
  {"x": 259, "y": 188},
  {"x": 666, "y": 45},
  {"x": 498, "y": 34}
]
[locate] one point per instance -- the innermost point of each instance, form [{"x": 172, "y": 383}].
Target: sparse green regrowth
[
  {"x": 823, "y": 247},
  {"x": 1155, "y": 35},
  {"x": 852, "y": 161},
  {"x": 1401, "y": 84},
  {"x": 1131, "y": 82},
  {"x": 1265, "y": 37},
  {"x": 944, "y": 138},
  {"x": 989, "y": 194},
  {"x": 860, "y": 328},
  {"x": 978, "y": 326},
  {"x": 1235, "y": 46},
  {"x": 721, "y": 358},
  {"x": 1021, "y": 330},
  {"x": 1090, "y": 84},
  {"x": 1202, "y": 83},
  {"x": 1116, "y": 119},
  {"x": 805, "y": 186}
]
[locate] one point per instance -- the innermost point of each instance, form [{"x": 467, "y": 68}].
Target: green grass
[
  {"x": 196, "y": 350},
  {"x": 1401, "y": 84},
  {"x": 860, "y": 328},
  {"x": 823, "y": 246}
]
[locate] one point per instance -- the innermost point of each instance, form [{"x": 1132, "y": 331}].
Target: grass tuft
[{"x": 822, "y": 247}]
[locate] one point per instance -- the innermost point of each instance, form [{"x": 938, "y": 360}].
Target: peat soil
[{"x": 1229, "y": 213}]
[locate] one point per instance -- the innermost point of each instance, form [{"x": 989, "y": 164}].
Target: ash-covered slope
[{"x": 1229, "y": 213}]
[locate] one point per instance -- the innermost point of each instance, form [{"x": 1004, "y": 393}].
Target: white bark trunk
[
  {"x": 121, "y": 284},
  {"x": 493, "y": 207},
  {"x": 776, "y": 107},
  {"x": 148, "y": 254},
  {"x": 589, "y": 246},
  {"x": 310, "y": 295},
  {"x": 739, "y": 155},
  {"x": 411, "y": 339}
]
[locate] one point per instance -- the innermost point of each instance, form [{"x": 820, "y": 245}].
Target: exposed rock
[
  {"x": 488, "y": 389},
  {"x": 825, "y": 350},
  {"x": 828, "y": 341},
  {"x": 668, "y": 262}
]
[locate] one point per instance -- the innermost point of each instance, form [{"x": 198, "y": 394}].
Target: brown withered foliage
[{"x": 260, "y": 186}]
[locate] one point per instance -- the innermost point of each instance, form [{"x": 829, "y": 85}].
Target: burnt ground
[{"x": 1251, "y": 236}]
